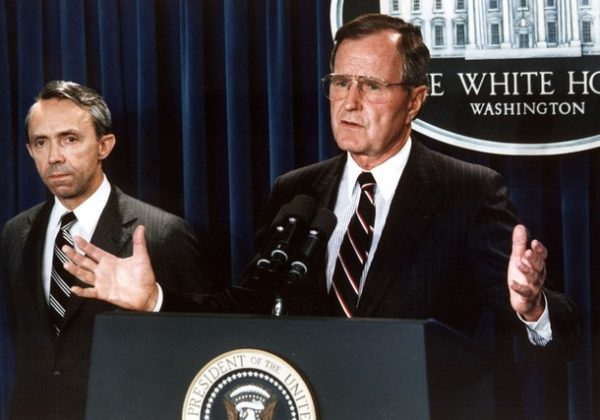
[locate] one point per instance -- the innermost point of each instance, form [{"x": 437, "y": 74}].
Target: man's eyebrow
[{"x": 64, "y": 133}]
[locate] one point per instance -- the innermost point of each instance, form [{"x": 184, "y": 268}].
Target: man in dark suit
[
  {"x": 439, "y": 242},
  {"x": 69, "y": 136}
]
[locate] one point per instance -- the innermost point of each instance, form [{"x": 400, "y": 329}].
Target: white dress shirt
[
  {"x": 87, "y": 213},
  {"x": 386, "y": 176}
]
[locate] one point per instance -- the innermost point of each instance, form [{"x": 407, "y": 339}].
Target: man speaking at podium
[{"x": 419, "y": 234}]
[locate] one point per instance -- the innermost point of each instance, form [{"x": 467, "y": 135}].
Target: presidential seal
[{"x": 248, "y": 384}]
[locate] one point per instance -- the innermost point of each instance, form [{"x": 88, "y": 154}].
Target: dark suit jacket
[
  {"x": 443, "y": 252},
  {"x": 51, "y": 373}
]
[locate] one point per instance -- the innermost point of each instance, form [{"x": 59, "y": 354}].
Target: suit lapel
[
  {"x": 33, "y": 251},
  {"x": 416, "y": 198},
  {"x": 115, "y": 226},
  {"x": 325, "y": 188},
  {"x": 113, "y": 231}
]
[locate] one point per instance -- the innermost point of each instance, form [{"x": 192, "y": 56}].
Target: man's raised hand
[{"x": 126, "y": 282}]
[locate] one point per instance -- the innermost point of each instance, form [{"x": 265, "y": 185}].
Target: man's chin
[
  {"x": 349, "y": 144},
  {"x": 64, "y": 192}
]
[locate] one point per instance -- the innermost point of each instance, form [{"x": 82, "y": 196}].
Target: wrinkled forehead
[
  {"x": 52, "y": 114},
  {"x": 370, "y": 55}
]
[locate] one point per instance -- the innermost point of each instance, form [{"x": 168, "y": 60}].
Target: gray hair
[
  {"x": 411, "y": 47},
  {"x": 82, "y": 96}
]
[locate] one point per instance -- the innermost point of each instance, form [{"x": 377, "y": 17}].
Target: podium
[{"x": 144, "y": 365}]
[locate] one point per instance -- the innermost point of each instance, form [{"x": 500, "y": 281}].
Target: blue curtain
[{"x": 212, "y": 99}]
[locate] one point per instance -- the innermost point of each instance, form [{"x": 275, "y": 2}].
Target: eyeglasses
[{"x": 372, "y": 89}]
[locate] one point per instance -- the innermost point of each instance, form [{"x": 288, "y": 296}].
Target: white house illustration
[{"x": 496, "y": 29}]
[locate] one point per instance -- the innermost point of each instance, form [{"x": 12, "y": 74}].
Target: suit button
[{"x": 57, "y": 373}]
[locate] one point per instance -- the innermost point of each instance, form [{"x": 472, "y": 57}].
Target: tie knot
[
  {"x": 366, "y": 180},
  {"x": 67, "y": 220}
]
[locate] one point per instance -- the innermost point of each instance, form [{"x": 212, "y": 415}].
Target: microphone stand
[
  {"x": 270, "y": 276},
  {"x": 284, "y": 283},
  {"x": 277, "y": 306}
]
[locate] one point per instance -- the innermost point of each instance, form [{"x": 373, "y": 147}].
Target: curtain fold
[
  {"x": 146, "y": 98},
  {"x": 193, "y": 120},
  {"x": 237, "y": 108},
  {"x": 73, "y": 30},
  {"x": 8, "y": 195},
  {"x": 31, "y": 54},
  {"x": 213, "y": 99},
  {"x": 576, "y": 234},
  {"x": 279, "y": 87},
  {"x": 8, "y": 169},
  {"x": 323, "y": 44}
]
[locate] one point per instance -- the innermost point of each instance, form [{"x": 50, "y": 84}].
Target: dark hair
[
  {"x": 411, "y": 47},
  {"x": 84, "y": 97}
]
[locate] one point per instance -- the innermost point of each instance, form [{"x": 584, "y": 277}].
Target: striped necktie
[
  {"x": 354, "y": 251},
  {"x": 61, "y": 280}
]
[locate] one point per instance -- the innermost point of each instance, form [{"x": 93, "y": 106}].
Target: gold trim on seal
[{"x": 245, "y": 365}]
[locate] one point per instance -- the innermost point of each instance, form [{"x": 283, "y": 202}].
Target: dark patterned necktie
[
  {"x": 354, "y": 251},
  {"x": 61, "y": 280}
]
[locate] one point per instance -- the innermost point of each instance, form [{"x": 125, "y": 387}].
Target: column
[
  {"x": 449, "y": 34},
  {"x": 470, "y": 25},
  {"x": 384, "y": 7},
  {"x": 575, "y": 39},
  {"x": 596, "y": 26},
  {"x": 405, "y": 10},
  {"x": 563, "y": 23},
  {"x": 506, "y": 24},
  {"x": 541, "y": 24},
  {"x": 480, "y": 21}
]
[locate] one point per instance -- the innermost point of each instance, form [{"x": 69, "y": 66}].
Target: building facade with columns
[{"x": 496, "y": 29}]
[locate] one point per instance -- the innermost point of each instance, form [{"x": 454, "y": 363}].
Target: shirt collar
[
  {"x": 88, "y": 212},
  {"x": 386, "y": 174}
]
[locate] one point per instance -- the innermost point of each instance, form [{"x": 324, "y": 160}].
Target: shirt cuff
[
  {"x": 539, "y": 332},
  {"x": 159, "y": 299}
]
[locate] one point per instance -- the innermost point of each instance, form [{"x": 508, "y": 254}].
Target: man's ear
[
  {"x": 417, "y": 98},
  {"x": 28, "y": 146},
  {"x": 106, "y": 145}
]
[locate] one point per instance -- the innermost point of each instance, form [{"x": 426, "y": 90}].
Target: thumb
[
  {"x": 139, "y": 241},
  {"x": 519, "y": 241}
]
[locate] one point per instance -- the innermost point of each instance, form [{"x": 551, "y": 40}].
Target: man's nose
[
  {"x": 353, "y": 98},
  {"x": 56, "y": 152}
]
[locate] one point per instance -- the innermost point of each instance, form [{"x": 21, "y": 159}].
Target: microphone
[
  {"x": 319, "y": 232},
  {"x": 296, "y": 215},
  {"x": 277, "y": 229}
]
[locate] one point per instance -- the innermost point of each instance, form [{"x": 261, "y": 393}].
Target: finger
[
  {"x": 535, "y": 259},
  {"x": 542, "y": 277},
  {"x": 524, "y": 267},
  {"x": 76, "y": 258},
  {"x": 519, "y": 241},
  {"x": 90, "y": 250},
  {"x": 540, "y": 253},
  {"x": 525, "y": 291},
  {"x": 528, "y": 258},
  {"x": 139, "y": 242},
  {"x": 531, "y": 275},
  {"x": 527, "y": 279},
  {"x": 79, "y": 272},
  {"x": 536, "y": 264},
  {"x": 539, "y": 249},
  {"x": 88, "y": 292}
]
